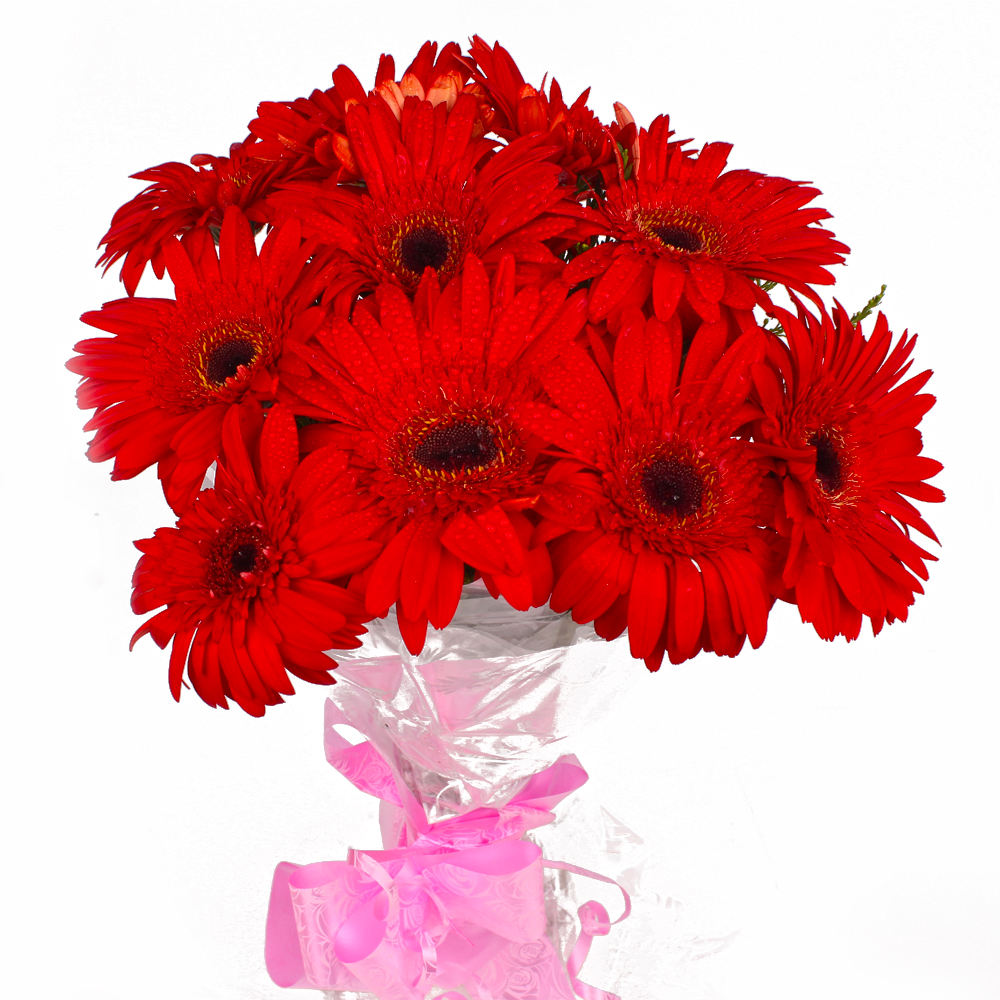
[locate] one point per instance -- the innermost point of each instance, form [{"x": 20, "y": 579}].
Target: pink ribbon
[
  {"x": 457, "y": 903},
  {"x": 594, "y": 922}
]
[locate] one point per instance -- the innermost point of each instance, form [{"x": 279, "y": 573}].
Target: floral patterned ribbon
[{"x": 458, "y": 903}]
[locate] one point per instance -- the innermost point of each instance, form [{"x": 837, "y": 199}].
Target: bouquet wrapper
[{"x": 461, "y": 749}]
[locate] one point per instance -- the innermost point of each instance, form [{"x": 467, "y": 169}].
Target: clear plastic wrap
[
  {"x": 659, "y": 952},
  {"x": 489, "y": 702},
  {"x": 486, "y": 703}
]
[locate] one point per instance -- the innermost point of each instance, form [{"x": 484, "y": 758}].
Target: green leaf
[
  {"x": 873, "y": 303},
  {"x": 766, "y": 285},
  {"x": 626, "y": 164}
]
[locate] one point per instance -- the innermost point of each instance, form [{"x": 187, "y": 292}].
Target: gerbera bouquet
[{"x": 451, "y": 336}]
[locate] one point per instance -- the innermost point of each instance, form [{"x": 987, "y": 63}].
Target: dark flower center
[
  {"x": 456, "y": 448},
  {"x": 829, "y": 470},
  {"x": 225, "y": 360},
  {"x": 235, "y": 550},
  {"x": 244, "y": 558},
  {"x": 679, "y": 239},
  {"x": 671, "y": 487},
  {"x": 424, "y": 247}
]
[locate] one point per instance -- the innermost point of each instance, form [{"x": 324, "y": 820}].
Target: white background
[{"x": 836, "y": 803}]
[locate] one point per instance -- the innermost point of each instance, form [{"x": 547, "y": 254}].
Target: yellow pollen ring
[
  {"x": 687, "y": 232},
  {"x": 424, "y": 239},
  {"x": 226, "y": 347},
  {"x": 706, "y": 472},
  {"x": 479, "y": 449}
]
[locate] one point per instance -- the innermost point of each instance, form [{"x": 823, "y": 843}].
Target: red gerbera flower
[
  {"x": 426, "y": 393},
  {"x": 430, "y": 200},
  {"x": 663, "y": 501},
  {"x": 244, "y": 574},
  {"x": 588, "y": 146},
  {"x": 181, "y": 198},
  {"x": 680, "y": 227},
  {"x": 841, "y": 433},
  {"x": 313, "y": 127},
  {"x": 163, "y": 383},
  {"x": 437, "y": 81}
]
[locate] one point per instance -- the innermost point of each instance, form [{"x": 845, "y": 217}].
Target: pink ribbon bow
[{"x": 457, "y": 903}]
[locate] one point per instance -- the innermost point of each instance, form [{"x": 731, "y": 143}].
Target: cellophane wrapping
[{"x": 492, "y": 699}]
